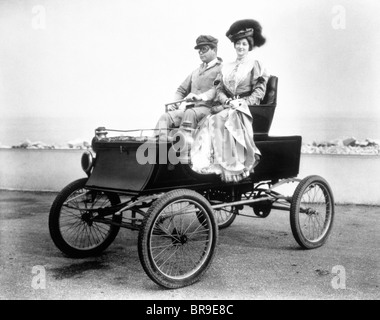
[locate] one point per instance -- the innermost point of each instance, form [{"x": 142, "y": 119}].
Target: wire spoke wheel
[
  {"x": 225, "y": 216},
  {"x": 71, "y": 220},
  {"x": 177, "y": 240},
  {"x": 312, "y": 212}
]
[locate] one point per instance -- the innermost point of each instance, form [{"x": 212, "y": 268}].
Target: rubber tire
[
  {"x": 54, "y": 222},
  {"x": 144, "y": 238},
  {"x": 228, "y": 222},
  {"x": 295, "y": 208}
]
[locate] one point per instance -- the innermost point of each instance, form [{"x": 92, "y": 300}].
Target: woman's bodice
[{"x": 246, "y": 78}]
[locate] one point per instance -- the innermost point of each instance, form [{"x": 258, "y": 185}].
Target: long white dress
[{"x": 223, "y": 143}]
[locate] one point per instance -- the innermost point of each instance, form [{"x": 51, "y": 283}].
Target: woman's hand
[
  {"x": 216, "y": 109},
  {"x": 235, "y": 103},
  {"x": 227, "y": 102}
]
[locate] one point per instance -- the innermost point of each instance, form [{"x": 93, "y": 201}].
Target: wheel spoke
[
  {"x": 75, "y": 230},
  {"x": 224, "y": 216},
  {"x": 180, "y": 239},
  {"x": 314, "y": 211}
]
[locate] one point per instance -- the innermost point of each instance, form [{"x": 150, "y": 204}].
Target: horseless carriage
[{"x": 178, "y": 212}]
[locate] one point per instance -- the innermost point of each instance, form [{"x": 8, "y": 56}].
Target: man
[{"x": 197, "y": 88}]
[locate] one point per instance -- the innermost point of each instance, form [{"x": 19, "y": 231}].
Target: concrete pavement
[{"x": 256, "y": 259}]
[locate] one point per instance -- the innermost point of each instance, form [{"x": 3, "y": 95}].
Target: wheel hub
[
  {"x": 179, "y": 238},
  {"x": 87, "y": 217},
  {"x": 311, "y": 212},
  {"x": 183, "y": 239}
]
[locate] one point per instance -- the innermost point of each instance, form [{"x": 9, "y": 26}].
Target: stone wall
[{"x": 353, "y": 178}]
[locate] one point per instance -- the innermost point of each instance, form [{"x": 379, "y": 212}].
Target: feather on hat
[{"x": 246, "y": 28}]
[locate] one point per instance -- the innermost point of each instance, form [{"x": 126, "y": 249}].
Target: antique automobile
[{"x": 176, "y": 211}]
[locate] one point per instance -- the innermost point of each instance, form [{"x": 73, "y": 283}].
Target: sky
[{"x": 119, "y": 61}]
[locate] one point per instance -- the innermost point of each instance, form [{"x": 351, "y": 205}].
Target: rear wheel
[
  {"x": 225, "y": 216},
  {"x": 71, "y": 224},
  {"x": 177, "y": 240},
  {"x": 312, "y": 212}
]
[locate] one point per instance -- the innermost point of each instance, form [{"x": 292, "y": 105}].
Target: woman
[{"x": 224, "y": 144}]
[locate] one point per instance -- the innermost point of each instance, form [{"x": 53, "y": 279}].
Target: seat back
[
  {"x": 270, "y": 97},
  {"x": 263, "y": 113}
]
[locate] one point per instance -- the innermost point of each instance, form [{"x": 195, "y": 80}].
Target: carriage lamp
[
  {"x": 87, "y": 162},
  {"x": 101, "y": 133}
]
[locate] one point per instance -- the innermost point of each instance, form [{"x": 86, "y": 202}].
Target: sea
[{"x": 60, "y": 131}]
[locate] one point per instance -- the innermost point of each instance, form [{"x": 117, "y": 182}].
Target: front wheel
[
  {"x": 177, "y": 240},
  {"x": 312, "y": 212},
  {"x": 71, "y": 224}
]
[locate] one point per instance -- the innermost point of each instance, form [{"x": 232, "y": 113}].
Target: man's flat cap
[{"x": 206, "y": 41}]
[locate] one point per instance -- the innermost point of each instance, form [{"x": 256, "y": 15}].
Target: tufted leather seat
[{"x": 262, "y": 114}]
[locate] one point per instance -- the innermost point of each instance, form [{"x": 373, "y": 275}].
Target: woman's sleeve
[
  {"x": 221, "y": 93},
  {"x": 259, "y": 80}
]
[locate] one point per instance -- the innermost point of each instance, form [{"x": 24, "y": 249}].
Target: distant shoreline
[
  {"x": 347, "y": 146},
  {"x": 58, "y": 131}
]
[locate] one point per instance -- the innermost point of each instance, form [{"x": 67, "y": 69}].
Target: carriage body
[
  {"x": 178, "y": 213},
  {"x": 117, "y": 167}
]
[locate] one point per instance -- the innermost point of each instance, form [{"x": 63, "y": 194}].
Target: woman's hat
[
  {"x": 206, "y": 41},
  {"x": 244, "y": 29}
]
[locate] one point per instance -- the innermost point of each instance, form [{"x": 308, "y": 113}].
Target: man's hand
[
  {"x": 172, "y": 107},
  {"x": 182, "y": 106},
  {"x": 193, "y": 97}
]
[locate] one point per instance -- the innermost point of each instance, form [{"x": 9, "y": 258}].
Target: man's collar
[{"x": 211, "y": 63}]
